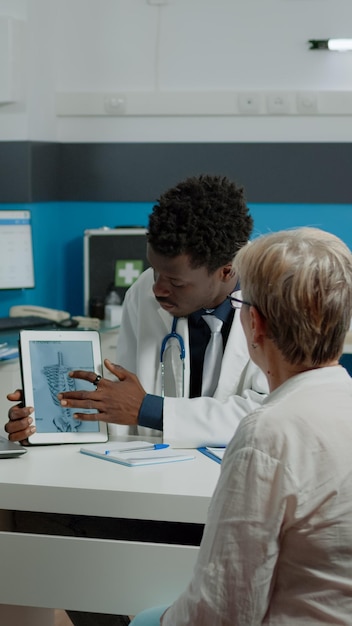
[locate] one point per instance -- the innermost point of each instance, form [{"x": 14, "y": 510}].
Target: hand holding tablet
[{"x": 47, "y": 358}]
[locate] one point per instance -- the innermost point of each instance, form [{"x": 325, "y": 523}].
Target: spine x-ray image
[{"x": 51, "y": 363}]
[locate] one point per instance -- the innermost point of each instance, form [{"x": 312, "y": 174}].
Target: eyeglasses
[{"x": 236, "y": 303}]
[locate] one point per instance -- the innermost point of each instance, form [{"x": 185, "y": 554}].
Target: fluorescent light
[{"x": 341, "y": 45}]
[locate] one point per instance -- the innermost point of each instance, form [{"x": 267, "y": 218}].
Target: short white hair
[{"x": 301, "y": 282}]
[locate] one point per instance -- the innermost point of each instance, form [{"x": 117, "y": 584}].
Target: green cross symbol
[{"x": 127, "y": 272}]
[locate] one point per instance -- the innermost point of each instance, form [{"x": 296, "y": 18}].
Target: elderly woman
[{"x": 277, "y": 547}]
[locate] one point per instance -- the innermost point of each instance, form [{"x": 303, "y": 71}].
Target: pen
[{"x": 155, "y": 446}]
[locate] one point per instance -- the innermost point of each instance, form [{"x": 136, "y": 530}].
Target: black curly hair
[{"x": 205, "y": 217}]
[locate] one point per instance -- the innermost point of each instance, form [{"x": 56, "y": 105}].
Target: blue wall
[{"x": 58, "y": 229}]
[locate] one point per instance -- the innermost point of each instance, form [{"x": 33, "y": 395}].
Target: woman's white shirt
[{"x": 277, "y": 547}]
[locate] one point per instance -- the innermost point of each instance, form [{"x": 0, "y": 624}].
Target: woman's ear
[{"x": 257, "y": 324}]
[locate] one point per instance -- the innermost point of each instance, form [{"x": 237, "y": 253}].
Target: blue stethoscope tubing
[{"x": 181, "y": 344}]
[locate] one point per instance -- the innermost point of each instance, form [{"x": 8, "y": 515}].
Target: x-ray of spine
[{"x": 59, "y": 381}]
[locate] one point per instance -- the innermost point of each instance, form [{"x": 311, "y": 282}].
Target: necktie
[{"x": 213, "y": 356}]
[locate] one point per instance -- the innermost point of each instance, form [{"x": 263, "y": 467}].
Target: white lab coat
[{"x": 188, "y": 423}]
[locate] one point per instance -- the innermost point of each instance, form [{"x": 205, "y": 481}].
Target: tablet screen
[{"x": 47, "y": 357}]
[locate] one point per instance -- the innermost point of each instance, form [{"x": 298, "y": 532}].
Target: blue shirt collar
[{"x": 222, "y": 311}]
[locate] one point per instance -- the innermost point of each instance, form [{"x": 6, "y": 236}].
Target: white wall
[
  {"x": 13, "y": 117},
  {"x": 185, "y": 56}
]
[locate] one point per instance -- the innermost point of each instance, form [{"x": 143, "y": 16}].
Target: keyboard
[{"x": 26, "y": 321}]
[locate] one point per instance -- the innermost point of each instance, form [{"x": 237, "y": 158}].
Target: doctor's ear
[{"x": 227, "y": 272}]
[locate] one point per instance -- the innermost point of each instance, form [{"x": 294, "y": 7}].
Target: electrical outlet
[
  {"x": 114, "y": 104},
  {"x": 307, "y": 103},
  {"x": 278, "y": 103},
  {"x": 249, "y": 103}
]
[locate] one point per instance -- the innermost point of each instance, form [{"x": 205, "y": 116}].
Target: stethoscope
[{"x": 181, "y": 344}]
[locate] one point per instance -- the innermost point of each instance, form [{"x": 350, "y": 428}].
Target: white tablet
[{"x": 47, "y": 356}]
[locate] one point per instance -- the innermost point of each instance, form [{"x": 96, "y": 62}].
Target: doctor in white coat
[
  {"x": 187, "y": 422},
  {"x": 194, "y": 231}
]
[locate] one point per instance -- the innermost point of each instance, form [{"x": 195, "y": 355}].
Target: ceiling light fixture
[{"x": 339, "y": 45}]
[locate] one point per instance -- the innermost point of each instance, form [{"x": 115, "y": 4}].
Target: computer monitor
[{"x": 16, "y": 250}]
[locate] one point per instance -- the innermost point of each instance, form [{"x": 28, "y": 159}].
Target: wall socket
[
  {"x": 249, "y": 103},
  {"x": 115, "y": 104},
  {"x": 278, "y": 103},
  {"x": 307, "y": 103}
]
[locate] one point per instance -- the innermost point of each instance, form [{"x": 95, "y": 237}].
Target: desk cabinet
[{"x": 98, "y": 575}]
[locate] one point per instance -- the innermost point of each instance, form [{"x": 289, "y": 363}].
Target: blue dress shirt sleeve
[{"x": 151, "y": 412}]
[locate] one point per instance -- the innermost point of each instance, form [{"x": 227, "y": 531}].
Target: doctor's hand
[
  {"x": 20, "y": 424},
  {"x": 117, "y": 401}
]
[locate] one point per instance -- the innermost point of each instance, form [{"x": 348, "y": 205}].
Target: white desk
[{"x": 94, "y": 574}]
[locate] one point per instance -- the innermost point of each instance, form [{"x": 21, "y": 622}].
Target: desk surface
[{"x": 59, "y": 479}]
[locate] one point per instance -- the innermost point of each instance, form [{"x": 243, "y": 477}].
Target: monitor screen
[{"x": 16, "y": 250}]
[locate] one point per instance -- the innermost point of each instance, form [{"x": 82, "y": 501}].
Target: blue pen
[{"x": 155, "y": 446}]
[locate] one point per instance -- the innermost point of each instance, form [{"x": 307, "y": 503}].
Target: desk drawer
[{"x": 118, "y": 577}]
